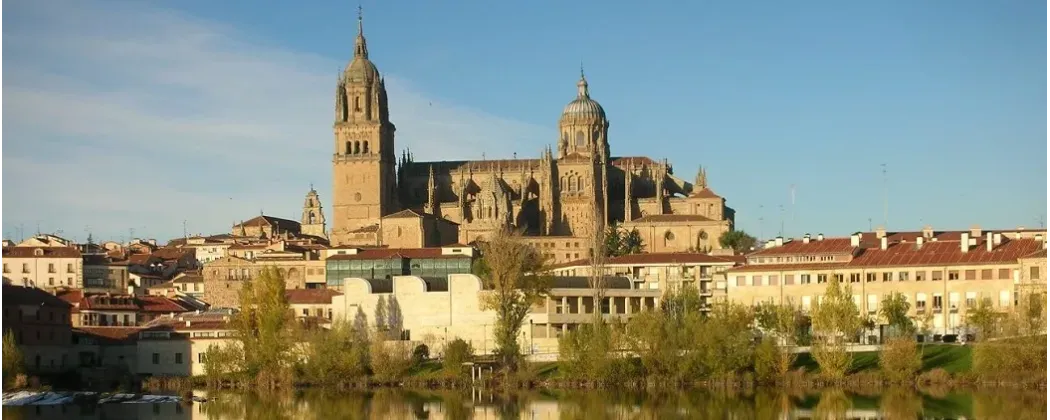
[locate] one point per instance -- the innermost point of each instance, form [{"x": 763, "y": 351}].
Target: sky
[{"x": 148, "y": 119}]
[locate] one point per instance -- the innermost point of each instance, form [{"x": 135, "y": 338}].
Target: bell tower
[
  {"x": 312, "y": 222},
  {"x": 364, "y": 186}
]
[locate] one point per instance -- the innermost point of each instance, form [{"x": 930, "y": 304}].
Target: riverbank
[
  {"x": 943, "y": 366},
  {"x": 23, "y": 398}
]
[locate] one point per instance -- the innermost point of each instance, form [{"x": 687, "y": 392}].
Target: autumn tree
[
  {"x": 13, "y": 360},
  {"x": 265, "y": 328},
  {"x": 835, "y": 319},
  {"x": 737, "y": 240},
  {"x": 513, "y": 273},
  {"x": 983, "y": 318}
]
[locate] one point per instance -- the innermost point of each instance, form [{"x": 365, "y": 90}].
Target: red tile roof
[
  {"x": 1037, "y": 254},
  {"x": 658, "y": 258},
  {"x": 310, "y": 296},
  {"x": 705, "y": 193},
  {"x": 48, "y": 252},
  {"x": 111, "y": 333},
  {"x": 935, "y": 253},
  {"x": 19, "y": 295},
  {"x": 160, "y": 304},
  {"x": 814, "y": 247},
  {"x": 392, "y": 253}
]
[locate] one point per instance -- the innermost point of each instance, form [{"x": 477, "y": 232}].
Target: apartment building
[
  {"x": 41, "y": 327},
  {"x": 944, "y": 274},
  {"x": 43, "y": 266}
]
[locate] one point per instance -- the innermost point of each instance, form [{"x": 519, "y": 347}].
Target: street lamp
[{"x": 531, "y": 346}]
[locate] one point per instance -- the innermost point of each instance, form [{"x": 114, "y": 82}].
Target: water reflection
[{"x": 891, "y": 403}]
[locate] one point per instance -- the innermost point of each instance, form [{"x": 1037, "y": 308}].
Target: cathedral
[{"x": 384, "y": 198}]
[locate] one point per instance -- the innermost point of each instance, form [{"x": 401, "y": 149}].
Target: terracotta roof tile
[
  {"x": 111, "y": 333},
  {"x": 48, "y": 252},
  {"x": 160, "y": 304},
  {"x": 705, "y": 193},
  {"x": 310, "y": 296},
  {"x": 658, "y": 258},
  {"x": 19, "y": 295},
  {"x": 935, "y": 253}
]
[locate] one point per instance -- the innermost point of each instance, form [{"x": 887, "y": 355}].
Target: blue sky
[{"x": 139, "y": 115}]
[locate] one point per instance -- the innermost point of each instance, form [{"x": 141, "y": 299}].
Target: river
[{"x": 401, "y": 404}]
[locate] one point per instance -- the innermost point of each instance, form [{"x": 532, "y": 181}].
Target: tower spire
[
  {"x": 581, "y": 86},
  {"x": 360, "y": 46}
]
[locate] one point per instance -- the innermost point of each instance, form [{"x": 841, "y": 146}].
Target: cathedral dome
[
  {"x": 583, "y": 105},
  {"x": 360, "y": 69}
]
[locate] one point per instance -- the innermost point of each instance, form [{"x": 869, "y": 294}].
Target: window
[
  {"x": 887, "y": 276},
  {"x": 902, "y": 276},
  {"x": 986, "y": 274},
  {"x": 938, "y": 302},
  {"x": 50, "y": 267},
  {"x": 937, "y": 275},
  {"x": 739, "y": 281},
  {"x": 1004, "y": 298},
  {"x": 873, "y": 303},
  {"x": 25, "y": 267},
  {"x": 920, "y": 302},
  {"x": 854, "y": 277},
  {"x": 1033, "y": 273},
  {"x": 6, "y": 270},
  {"x": 69, "y": 268},
  {"x": 870, "y": 277},
  {"x": 839, "y": 277},
  {"x": 920, "y": 275},
  {"x": 200, "y": 357},
  {"x": 789, "y": 279},
  {"x": 773, "y": 280},
  {"x": 156, "y": 358},
  {"x": 822, "y": 278},
  {"x": 1004, "y": 273},
  {"x": 970, "y": 274},
  {"x": 953, "y": 274},
  {"x": 178, "y": 358},
  {"x": 971, "y": 299},
  {"x": 804, "y": 279}
]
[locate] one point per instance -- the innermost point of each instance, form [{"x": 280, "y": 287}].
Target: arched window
[
  {"x": 357, "y": 103},
  {"x": 348, "y": 148},
  {"x": 668, "y": 238},
  {"x": 311, "y": 218},
  {"x": 579, "y": 183},
  {"x": 366, "y": 148},
  {"x": 357, "y": 147},
  {"x": 580, "y": 141}
]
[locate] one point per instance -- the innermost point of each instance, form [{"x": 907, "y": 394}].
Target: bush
[
  {"x": 390, "y": 360},
  {"x": 420, "y": 354},
  {"x": 457, "y": 352},
  {"x": 767, "y": 357},
  {"x": 587, "y": 353},
  {"x": 899, "y": 360},
  {"x": 936, "y": 376}
]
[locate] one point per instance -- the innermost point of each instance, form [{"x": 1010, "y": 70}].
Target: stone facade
[
  {"x": 224, "y": 278},
  {"x": 567, "y": 192}
]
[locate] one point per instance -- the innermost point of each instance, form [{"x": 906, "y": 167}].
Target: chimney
[
  {"x": 988, "y": 241},
  {"x": 805, "y": 239},
  {"x": 927, "y": 231},
  {"x": 188, "y": 323},
  {"x": 780, "y": 241},
  {"x": 854, "y": 240},
  {"x": 1017, "y": 235},
  {"x": 880, "y": 232},
  {"x": 883, "y": 243},
  {"x": 1039, "y": 238},
  {"x": 820, "y": 237},
  {"x": 997, "y": 239},
  {"x": 964, "y": 242},
  {"x": 975, "y": 231},
  {"x": 770, "y": 243}
]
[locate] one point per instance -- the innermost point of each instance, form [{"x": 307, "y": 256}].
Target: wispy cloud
[{"x": 121, "y": 116}]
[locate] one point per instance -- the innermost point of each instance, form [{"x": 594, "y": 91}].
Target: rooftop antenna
[
  {"x": 869, "y": 224},
  {"x": 885, "y": 199},
  {"x": 184, "y": 234},
  {"x": 792, "y": 206},
  {"x": 781, "y": 220}
]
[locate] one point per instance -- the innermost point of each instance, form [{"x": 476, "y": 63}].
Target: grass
[{"x": 952, "y": 358}]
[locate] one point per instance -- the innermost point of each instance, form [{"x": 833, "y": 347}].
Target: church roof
[
  {"x": 636, "y": 161},
  {"x": 410, "y": 213},
  {"x": 263, "y": 220},
  {"x": 705, "y": 193},
  {"x": 672, "y": 218}
]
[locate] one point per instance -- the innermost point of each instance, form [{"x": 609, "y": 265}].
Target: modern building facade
[{"x": 942, "y": 274}]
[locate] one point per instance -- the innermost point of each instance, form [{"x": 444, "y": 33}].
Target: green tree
[
  {"x": 513, "y": 273},
  {"x": 620, "y": 241},
  {"x": 894, "y": 309},
  {"x": 984, "y": 319},
  {"x": 737, "y": 240},
  {"x": 835, "y": 320},
  {"x": 222, "y": 361},
  {"x": 457, "y": 352},
  {"x": 335, "y": 355},
  {"x": 780, "y": 323},
  {"x": 380, "y": 316},
  {"x": 767, "y": 360},
  {"x": 266, "y": 329},
  {"x": 13, "y": 361}
]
